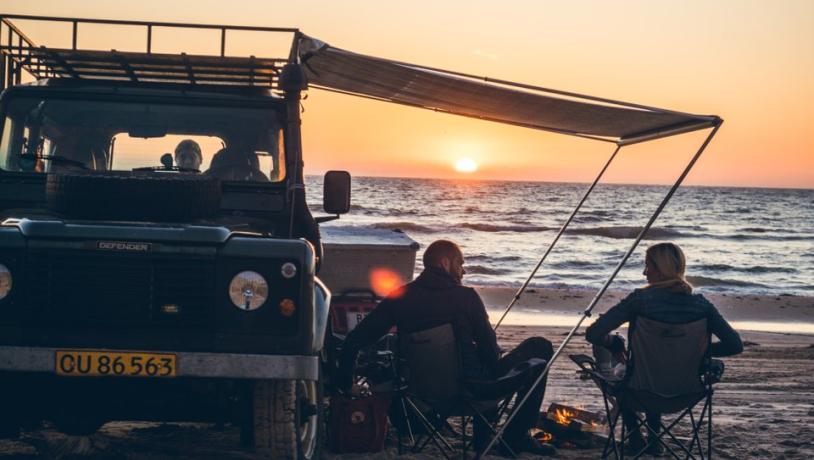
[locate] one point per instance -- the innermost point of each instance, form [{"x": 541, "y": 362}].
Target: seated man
[
  {"x": 437, "y": 297},
  {"x": 188, "y": 155}
]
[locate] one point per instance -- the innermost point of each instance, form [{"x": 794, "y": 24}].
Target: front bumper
[{"x": 190, "y": 364}]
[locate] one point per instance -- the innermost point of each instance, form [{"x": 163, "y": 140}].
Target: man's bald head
[
  {"x": 440, "y": 250},
  {"x": 446, "y": 255}
]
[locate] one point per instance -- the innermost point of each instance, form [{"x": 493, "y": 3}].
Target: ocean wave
[
  {"x": 491, "y": 228},
  {"x": 753, "y": 269},
  {"x": 757, "y": 230},
  {"x": 766, "y": 237},
  {"x": 581, "y": 264},
  {"x": 404, "y": 227},
  {"x": 628, "y": 232},
  {"x": 481, "y": 270},
  {"x": 492, "y": 259},
  {"x": 700, "y": 281}
]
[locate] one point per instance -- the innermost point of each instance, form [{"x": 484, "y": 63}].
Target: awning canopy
[{"x": 335, "y": 69}]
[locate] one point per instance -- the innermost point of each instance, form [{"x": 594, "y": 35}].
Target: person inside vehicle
[
  {"x": 237, "y": 162},
  {"x": 667, "y": 298},
  {"x": 437, "y": 297},
  {"x": 188, "y": 155}
]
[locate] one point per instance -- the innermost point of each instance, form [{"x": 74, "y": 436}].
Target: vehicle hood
[{"x": 128, "y": 231}]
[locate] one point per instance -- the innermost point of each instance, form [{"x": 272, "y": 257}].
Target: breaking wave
[
  {"x": 404, "y": 227},
  {"x": 481, "y": 270},
  {"x": 699, "y": 281},
  {"x": 625, "y": 232},
  {"x": 504, "y": 228},
  {"x": 754, "y": 269}
]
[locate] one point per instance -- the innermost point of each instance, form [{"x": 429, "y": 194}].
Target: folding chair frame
[
  {"x": 665, "y": 430},
  {"x": 440, "y": 441},
  {"x": 613, "y": 408}
]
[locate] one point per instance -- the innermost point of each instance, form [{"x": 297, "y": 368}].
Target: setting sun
[{"x": 466, "y": 165}]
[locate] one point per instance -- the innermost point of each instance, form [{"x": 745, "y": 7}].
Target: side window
[{"x": 5, "y": 145}]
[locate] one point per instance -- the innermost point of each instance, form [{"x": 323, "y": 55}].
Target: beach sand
[{"x": 763, "y": 408}]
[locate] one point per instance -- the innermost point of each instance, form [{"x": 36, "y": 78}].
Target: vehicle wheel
[
  {"x": 9, "y": 414},
  {"x": 288, "y": 418},
  {"x": 9, "y": 427},
  {"x": 123, "y": 195},
  {"x": 72, "y": 421}
]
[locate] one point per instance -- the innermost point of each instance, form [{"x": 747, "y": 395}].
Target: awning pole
[
  {"x": 557, "y": 238},
  {"x": 587, "y": 312}
]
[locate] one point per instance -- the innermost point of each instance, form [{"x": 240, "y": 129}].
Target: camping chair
[
  {"x": 434, "y": 390},
  {"x": 669, "y": 372}
]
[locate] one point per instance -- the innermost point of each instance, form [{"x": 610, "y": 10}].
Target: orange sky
[{"x": 750, "y": 62}]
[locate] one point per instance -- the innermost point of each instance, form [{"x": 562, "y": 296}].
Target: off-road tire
[
  {"x": 277, "y": 419},
  {"x": 133, "y": 196}
]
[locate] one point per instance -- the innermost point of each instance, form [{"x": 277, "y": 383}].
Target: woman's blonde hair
[{"x": 669, "y": 260}]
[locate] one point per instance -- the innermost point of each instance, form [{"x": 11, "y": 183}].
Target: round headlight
[
  {"x": 288, "y": 270},
  {"x": 5, "y": 281},
  {"x": 248, "y": 290}
]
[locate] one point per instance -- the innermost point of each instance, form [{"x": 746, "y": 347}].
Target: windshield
[{"x": 53, "y": 135}]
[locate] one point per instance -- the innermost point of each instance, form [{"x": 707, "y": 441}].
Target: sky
[{"x": 749, "y": 62}]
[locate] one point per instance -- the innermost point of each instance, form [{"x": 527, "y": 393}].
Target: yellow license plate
[{"x": 83, "y": 363}]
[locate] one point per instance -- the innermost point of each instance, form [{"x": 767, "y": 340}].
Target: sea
[{"x": 739, "y": 240}]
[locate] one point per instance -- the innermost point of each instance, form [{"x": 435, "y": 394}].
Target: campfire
[{"x": 567, "y": 426}]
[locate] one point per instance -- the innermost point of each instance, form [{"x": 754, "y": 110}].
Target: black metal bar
[
  {"x": 223, "y": 42},
  {"x": 64, "y": 64},
  {"x": 201, "y": 59},
  {"x": 3, "y": 58},
  {"x": 13, "y": 28},
  {"x": 75, "y": 33},
  {"x": 557, "y": 238},
  {"x": 147, "y": 23},
  {"x": 587, "y": 312},
  {"x": 665, "y": 132},
  {"x": 125, "y": 65},
  {"x": 83, "y": 69},
  {"x": 149, "y": 39}
]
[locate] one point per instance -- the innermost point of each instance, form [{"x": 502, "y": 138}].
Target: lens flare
[{"x": 384, "y": 281}]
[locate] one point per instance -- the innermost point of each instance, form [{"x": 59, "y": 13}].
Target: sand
[{"x": 764, "y": 408}]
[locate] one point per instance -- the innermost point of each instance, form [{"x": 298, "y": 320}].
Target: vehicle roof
[{"x": 148, "y": 89}]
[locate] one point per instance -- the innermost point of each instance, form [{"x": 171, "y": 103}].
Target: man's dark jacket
[{"x": 432, "y": 299}]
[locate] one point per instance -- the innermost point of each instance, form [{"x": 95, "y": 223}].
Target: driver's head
[{"x": 188, "y": 154}]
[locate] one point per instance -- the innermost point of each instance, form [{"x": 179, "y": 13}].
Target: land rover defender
[{"x": 135, "y": 288}]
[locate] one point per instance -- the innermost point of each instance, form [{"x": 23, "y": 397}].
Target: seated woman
[{"x": 667, "y": 298}]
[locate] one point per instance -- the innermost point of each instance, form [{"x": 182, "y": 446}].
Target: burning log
[
  {"x": 570, "y": 427},
  {"x": 582, "y": 420}
]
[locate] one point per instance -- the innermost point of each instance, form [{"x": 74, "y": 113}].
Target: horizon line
[{"x": 473, "y": 179}]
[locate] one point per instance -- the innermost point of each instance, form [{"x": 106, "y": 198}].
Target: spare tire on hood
[{"x": 133, "y": 196}]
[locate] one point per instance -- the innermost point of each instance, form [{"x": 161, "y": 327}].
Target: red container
[
  {"x": 350, "y": 308},
  {"x": 358, "y": 425}
]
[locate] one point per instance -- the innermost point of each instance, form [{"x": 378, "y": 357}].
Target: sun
[{"x": 466, "y": 165}]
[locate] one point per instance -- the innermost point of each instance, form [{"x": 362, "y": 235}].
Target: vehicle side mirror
[{"x": 336, "y": 192}]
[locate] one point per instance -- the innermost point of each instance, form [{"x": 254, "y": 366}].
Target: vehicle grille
[{"x": 77, "y": 286}]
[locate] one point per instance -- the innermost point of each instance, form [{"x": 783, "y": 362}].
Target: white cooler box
[{"x": 353, "y": 255}]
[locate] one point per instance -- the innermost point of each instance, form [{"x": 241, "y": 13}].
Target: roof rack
[{"x": 18, "y": 53}]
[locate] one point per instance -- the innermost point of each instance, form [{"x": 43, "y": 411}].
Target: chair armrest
[
  {"x": 712, "y": 372},
  {"x": 585, "y": 362}
]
